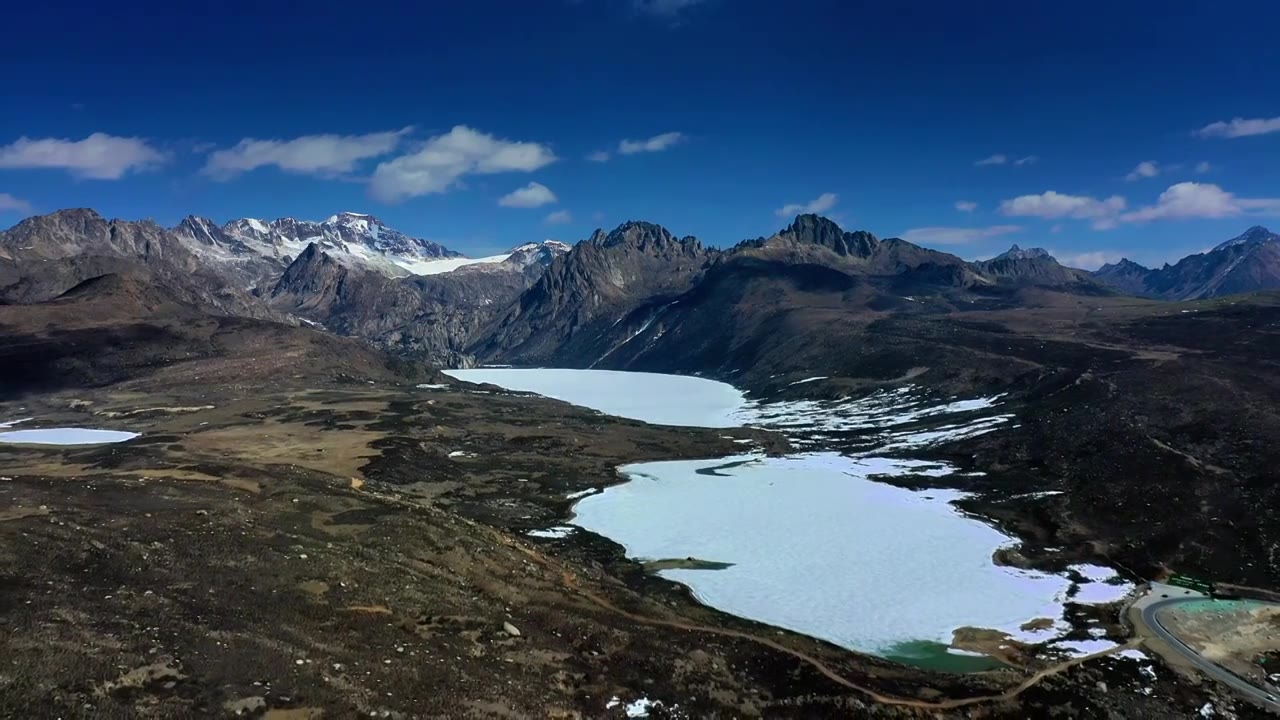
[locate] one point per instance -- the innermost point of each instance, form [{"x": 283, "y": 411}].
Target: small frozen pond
[
  {"x": 650, "y": 397},
  {"x": 811, "y": 542},
  {"x": 63, "y": 436}
]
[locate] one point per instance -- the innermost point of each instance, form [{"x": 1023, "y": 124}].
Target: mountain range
[
  {"x": 1245, "y": 263},
  {"x": 637, "y": 296}
]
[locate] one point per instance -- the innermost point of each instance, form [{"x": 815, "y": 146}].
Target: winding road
[{"x": 1152, "y": 621}]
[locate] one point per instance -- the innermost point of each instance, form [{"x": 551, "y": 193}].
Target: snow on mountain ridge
[
  {"x": 1255, "y": 235},
  {"x": 355, "y": 239}
]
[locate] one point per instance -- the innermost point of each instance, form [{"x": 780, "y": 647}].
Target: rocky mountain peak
[
  {"x": 1254, "y": 236},
  {"x": 1125, "y": 266},
  {"x": 83, "y": 232},
  {"x": 313, "y": 274},
  {"x": 1017, "y": 253},
  {"x": 636, "y": 233},
  {"x": 818, "y": 230},
  {"x": 83, "y": 220},
  {"x": 347, "y": 217},
  {"x": 203, "y": 231}
]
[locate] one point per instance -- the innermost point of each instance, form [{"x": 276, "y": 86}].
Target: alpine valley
[{"x": 307, "y": 514}]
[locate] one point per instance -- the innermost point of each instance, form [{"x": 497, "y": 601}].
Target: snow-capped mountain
[
  {"x": 349, "y": 237},
  {"x": 265, "y": 248}
]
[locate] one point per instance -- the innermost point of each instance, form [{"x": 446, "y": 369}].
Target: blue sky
[{"x": 718, "y": 118}]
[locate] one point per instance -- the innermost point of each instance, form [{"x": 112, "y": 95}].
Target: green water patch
[
  {"x": 690, "y": 563},
  {"x": 1195, "y": 607},
  {"x": 930, "y": 655}
]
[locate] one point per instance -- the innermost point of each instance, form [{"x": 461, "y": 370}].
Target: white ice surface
[
  {"x": 437, "y": 266},
  {"x": 651, "y": 397},
  {"x": 819, "y": 548},
  {"x": 65, "y": 436}
]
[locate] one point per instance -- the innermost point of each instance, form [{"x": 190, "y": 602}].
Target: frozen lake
[
  {"x": 65, "y": 436},
  {"x": 813, "y": 543},
  {"x": 650, "y": 397},
  {"x": 819, "y": 548}
]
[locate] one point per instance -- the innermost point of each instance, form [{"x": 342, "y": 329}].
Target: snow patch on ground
[
  {"x": 1103, "y": 585},
  {"x": 1080, "y": 648},
  {"x": 635, "y": 709},
  {"x": 559, "y": 531},
  {"x": 809, "y": 380}
]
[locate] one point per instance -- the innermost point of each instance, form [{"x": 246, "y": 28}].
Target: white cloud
[
  {"x": 97, "y": 157},
  {"x": 1240, "y": 127},
  {"x": 1089, "y": 260},
  {"x": 530, "y": 196},
  {"x": 1053, "y": 205},
  {"x": 663, "y": 8},
  {"x": 598, "y": 156},
  {"x": 1204, "y": 167},
  {"x": 324, "y": 155},
  {"x": 559, "y": 217},
  {"x": 957, "y": 235},
  {"x": 966, "y": 206},
  {"x": 657, "y": 143},
  {"x": 10, "y": 203},
  {"x": 1145, "y": 169},
  {"x": 822, "y": 203},
  {"x": 442, "y": 160},
  {"x": 1002, "y": 159},
  {"x": 1201, "y": 200}
]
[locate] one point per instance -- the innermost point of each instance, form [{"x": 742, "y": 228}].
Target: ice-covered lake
[
  {"x": 813, "y": 543},
  {"x": 60, "y": 436},
  {"x": 818, "y": 547},
  {"x": 650, "y": 397}
]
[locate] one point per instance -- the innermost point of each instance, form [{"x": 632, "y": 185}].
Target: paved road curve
[{"x": 1214, "y": 671}]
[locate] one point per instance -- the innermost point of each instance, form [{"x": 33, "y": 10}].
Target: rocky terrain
[
  {"x": 302, "y": 527},
  {"x": 302, "y": 531}
]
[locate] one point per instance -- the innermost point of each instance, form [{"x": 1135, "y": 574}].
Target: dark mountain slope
[
  {"x": 46, "y": 255},
  {"x": 639, "y": 299},
  {"x": 123, "y": 327},
  {"x": 1247, "y": 263},
  {"x": 428, "y": 317},
  {"x": 1126, "y": 276},
  {"x": 1034, "y": 266},
  {"x": 565, "y": 317}
]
